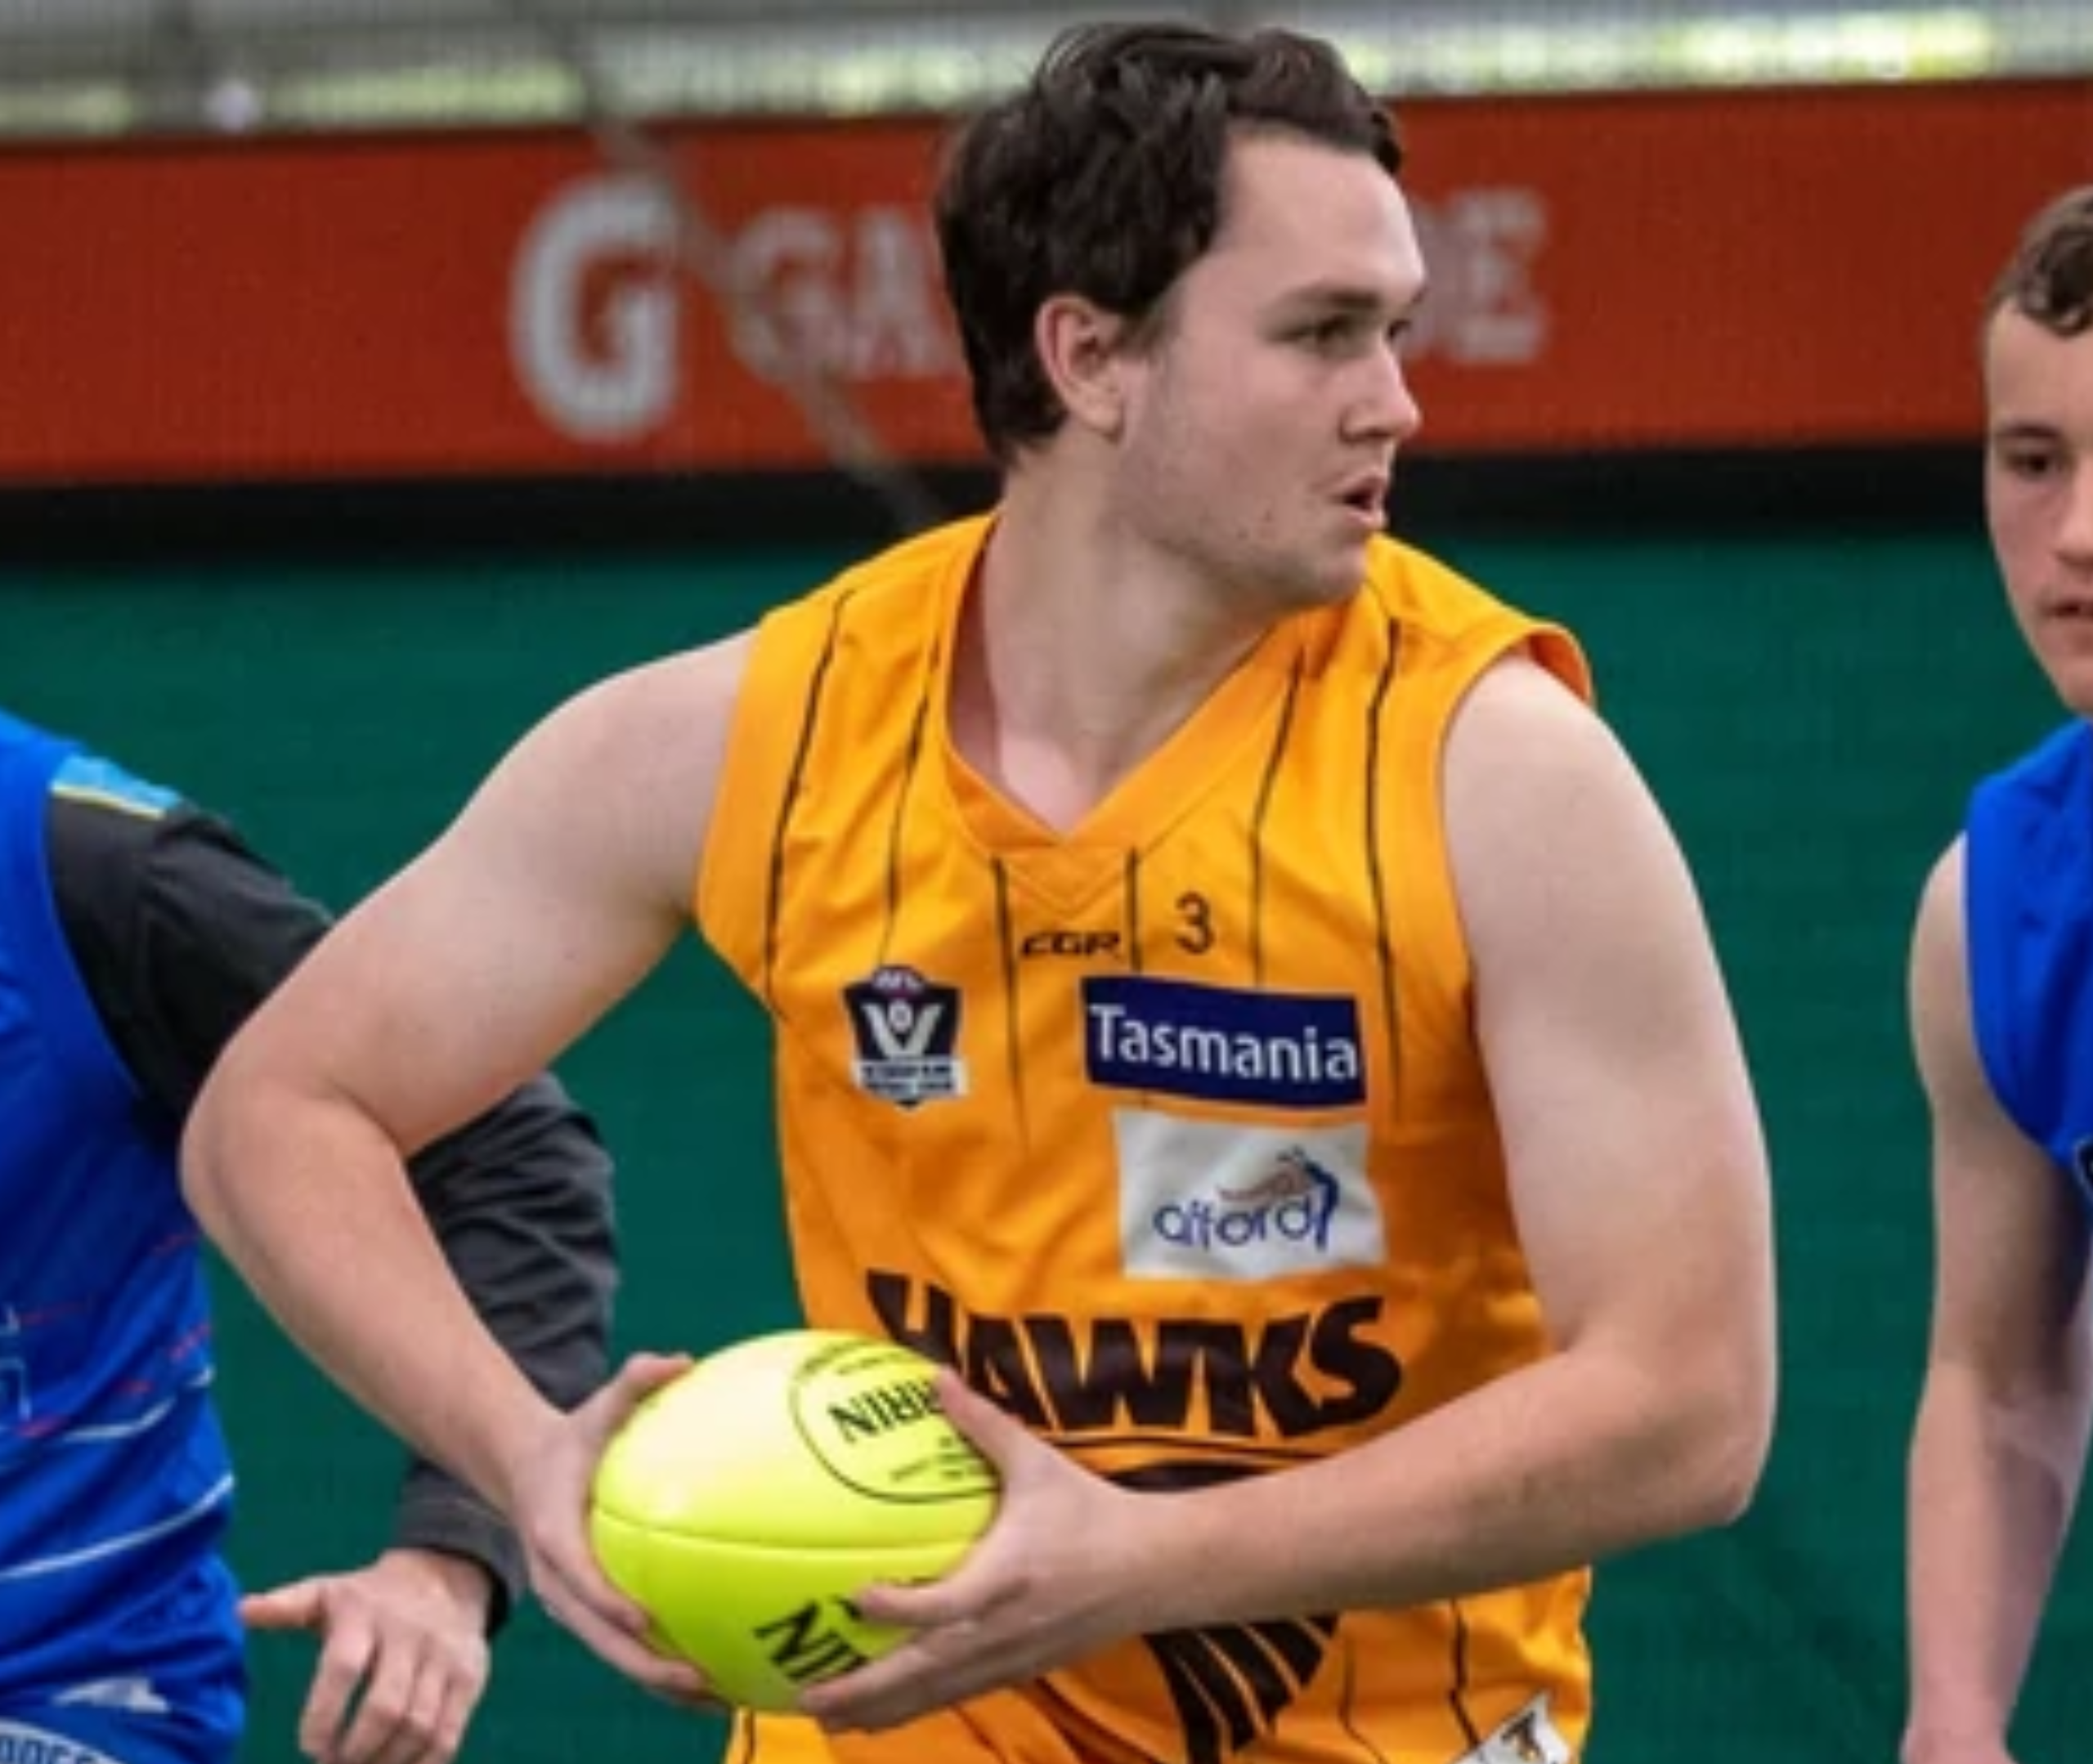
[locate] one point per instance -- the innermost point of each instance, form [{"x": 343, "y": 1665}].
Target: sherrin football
[{"x": 744, "y": 1505}]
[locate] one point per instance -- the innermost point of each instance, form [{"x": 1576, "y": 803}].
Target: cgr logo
[
  {"x": 906, "y": 1030},
  {"x": 1078, "y": 943}
]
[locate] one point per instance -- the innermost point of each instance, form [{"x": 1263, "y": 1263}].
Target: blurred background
[{"x": 374, "y": 373}]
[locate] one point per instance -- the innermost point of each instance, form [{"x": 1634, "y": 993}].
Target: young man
[
  {"x": 1234, "y": 1002},
  {"x": 2001, "y": 1001},
  {"x": 135, "y": 934}
]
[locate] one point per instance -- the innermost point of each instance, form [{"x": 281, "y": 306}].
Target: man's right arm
[
  {"x": 556, "y": 890},
  {"x": 2001, "y": 1438}
]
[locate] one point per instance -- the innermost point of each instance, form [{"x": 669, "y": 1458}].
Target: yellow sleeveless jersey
[{"x": 1170, "y": 1132}]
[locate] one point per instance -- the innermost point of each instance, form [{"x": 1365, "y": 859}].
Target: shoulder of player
[
  {"x": 1940, "y": 900},
  {"x": 629, "y": 766},
  {"x": 883, "y": 608},
  {"x": 2065, "y": 753},
  {"x": 1519, "y": 721},
  {"x": 910, "y": 565},
  {"x": 1939, "y": 945},
  {"x": 1943, "y": 1031},
  {"x": 101, "y": 837},
  {"x": 87, "y": 789},
  {"x": 1547, "y": 822},
  {"x": 661, "y": 714},
  {"x": 78, "y": 818}
]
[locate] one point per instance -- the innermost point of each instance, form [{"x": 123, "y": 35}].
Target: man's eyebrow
[
  {"x": 1350, "y": 297},
  {"x": 2025, "y": 429}
]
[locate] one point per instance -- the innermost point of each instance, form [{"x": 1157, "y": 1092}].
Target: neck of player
[{"x": 1081, "y": 649}]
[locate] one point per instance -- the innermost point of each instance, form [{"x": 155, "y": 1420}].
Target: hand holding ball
[{"x": 744, "y": 1504}]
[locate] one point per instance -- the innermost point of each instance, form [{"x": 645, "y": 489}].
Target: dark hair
[
  {"x": 1102, "y": 177},
  {"x": 2050, "y": 278}
]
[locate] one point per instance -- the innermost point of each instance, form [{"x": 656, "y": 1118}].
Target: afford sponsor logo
[{"x": 1222, "y": 1200}]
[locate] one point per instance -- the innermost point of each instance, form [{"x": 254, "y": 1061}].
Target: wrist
[
  {"x": 1174, "y": 1539},
  {"x": 1935, "y": 1735},
  {"x": 519, "y": 1445},
  {"x": 466, "y": 1585}
]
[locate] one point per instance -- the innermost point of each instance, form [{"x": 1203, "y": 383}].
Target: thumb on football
[
  {"x": 638, "y": 1378},
  {"x": 999, "y": 1437}
]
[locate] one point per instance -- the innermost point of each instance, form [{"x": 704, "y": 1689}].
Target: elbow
[
  {"x": 1727, "y": 1433},
  {"x": 240, "y": 1122},
  {"x": 1729, "y": 1482},
  {"x": 1692, "y": 1428}
]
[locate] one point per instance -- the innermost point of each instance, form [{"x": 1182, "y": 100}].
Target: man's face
[
  {"x": 1266, "y": 414},
  {"x": 2038, "y": 492}
]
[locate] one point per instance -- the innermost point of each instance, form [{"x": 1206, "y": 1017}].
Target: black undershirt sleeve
[{"x": 178, "y": 931}]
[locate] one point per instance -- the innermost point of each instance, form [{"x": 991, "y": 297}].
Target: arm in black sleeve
[
  {"x": 521, "y": 1200},
  {"x": 179, "y": 931}
]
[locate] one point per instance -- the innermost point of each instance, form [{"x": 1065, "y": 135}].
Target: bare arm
[
  {"x": 2000, "y": 1444},
  {"x": 561, "y": 884},
  {"x": 1639, "y": 1181}
]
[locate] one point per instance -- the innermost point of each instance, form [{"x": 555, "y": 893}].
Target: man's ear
[{"x": 1082, "y": 347}]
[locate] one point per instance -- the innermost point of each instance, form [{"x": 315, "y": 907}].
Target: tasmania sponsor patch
[{"x": 1223, "y": 1044}]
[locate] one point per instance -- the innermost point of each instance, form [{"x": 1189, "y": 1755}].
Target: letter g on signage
[{"x": 609, "y": 374}]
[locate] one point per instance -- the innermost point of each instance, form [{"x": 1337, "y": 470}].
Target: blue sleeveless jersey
[
  {"x": 2028, "y": 889},
  {"x": 114, "y": 1481}
]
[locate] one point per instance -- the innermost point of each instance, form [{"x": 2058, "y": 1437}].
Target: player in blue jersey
[
  {"x": 135, "y": 934},
  {"x": 2002, "y": 992}
]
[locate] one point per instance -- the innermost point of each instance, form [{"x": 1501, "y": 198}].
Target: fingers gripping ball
[{"x": 743, "y": 1505}]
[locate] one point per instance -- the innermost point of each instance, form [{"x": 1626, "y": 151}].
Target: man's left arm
[{"x": 1636, "y": 1170}]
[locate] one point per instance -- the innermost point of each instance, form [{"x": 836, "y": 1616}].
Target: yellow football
[{"x": 744, "y": 1505}]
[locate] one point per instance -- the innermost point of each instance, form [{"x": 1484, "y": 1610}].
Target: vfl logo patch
[
  {"x": 1205, "y": 1200},
  {"x": 1285, "y": 1049},
  {"x": 905, "y": 1031}
]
